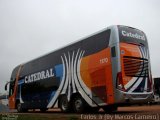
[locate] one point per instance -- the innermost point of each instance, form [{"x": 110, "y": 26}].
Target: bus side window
[{"x": 113, "y": 51}]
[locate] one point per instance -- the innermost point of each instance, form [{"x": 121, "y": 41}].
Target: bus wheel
[
  {"x": 64, "y": 104},
  {"x": 19, "y": 107},
  {"x": 78, "y": 104}
]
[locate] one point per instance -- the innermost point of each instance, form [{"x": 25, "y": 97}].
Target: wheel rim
[
  {"x": 64, "y": 105},
  {"x": 19, "y": 107},
  {"x": 78, "y": 104}
]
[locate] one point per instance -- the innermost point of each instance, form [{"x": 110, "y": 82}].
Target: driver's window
[{"x": 11, "y": 88}]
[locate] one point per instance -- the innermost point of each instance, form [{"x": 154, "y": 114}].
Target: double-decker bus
[{"x": 104, "y": 70}]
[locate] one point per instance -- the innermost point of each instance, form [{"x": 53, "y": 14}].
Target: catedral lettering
[
  {"x": 105, "y": 70},
  {"x": 39, "y": 76},
  {"x": 129, "y": 34}
]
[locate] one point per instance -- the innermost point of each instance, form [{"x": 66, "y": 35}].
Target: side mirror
[{"x": 6, "y": 86}]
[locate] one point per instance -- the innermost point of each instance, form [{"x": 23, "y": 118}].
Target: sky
[{"x": 31, "y": 28}]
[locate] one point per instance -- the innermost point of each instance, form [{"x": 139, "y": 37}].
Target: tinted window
[
  {"x": 96, "y": 42},
  {"x": 50, "y": 84}
]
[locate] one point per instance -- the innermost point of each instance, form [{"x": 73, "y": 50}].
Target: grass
[{"x": 38, "y": 117}]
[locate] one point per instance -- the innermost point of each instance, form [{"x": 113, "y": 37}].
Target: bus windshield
[
  {"x": 132, "y": 35},
  {"x": 11, "y": 89}
]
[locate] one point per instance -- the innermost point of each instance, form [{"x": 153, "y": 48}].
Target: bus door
[{"x": 11, "y": 95}]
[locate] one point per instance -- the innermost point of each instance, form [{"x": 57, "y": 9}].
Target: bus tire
[
  {"x": 78, "y": 104},
  {"x": 64, "y": 104},
  {"x": 19, "y": 108}
]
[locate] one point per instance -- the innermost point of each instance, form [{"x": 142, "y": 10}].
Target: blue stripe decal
[
  {"x": 51, "y": 96},
  {"x": 59, "y": 71},
  {"x": 58, "y": 75},
  {"x": 20, "y": 81}
]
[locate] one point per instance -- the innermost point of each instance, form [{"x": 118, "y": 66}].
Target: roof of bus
[{"x": 109, "y": 27}]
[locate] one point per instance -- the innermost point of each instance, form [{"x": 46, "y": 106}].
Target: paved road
[{"x": 123, "y": 113}]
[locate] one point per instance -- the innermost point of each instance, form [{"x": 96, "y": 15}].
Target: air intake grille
[{"x": 135, "y": 67}]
